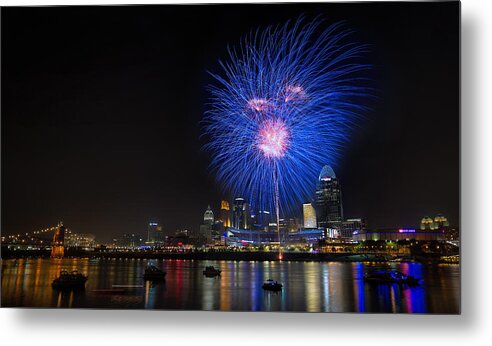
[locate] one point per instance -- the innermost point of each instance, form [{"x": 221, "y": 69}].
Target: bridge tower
[{"x": 58, "y": 245}]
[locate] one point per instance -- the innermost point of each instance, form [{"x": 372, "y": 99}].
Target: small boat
[
  {"x": 154, "y": 273},
  {"x": 390, "y": 277},
  {"x": 69, "y": 280},
  {"x": 211, "y": 271},
  {"x": 271, "y": 285}
]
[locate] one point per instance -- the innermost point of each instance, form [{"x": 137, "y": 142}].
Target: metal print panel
[{"x": 248, "y": 157}]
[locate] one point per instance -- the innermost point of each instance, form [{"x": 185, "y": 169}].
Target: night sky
[{"x": 100, "y": 112}]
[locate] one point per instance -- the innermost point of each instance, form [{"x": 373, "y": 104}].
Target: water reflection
[
  {"x": 308, "y": 286},
  {"x": 359, "y": 293}
]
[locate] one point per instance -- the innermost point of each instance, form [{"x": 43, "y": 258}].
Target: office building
[
  {"x": 238, "y": 213},
  {"x": 328, "y": 200},
  {"x": 208, "y": 216},
  {"x": 350, "y": 226},
  {"x": 309, "y": 214},
  {"x": 225, "y": 213}
]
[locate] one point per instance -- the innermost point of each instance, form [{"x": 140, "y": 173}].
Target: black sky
[{"x": 100, "y": 111}]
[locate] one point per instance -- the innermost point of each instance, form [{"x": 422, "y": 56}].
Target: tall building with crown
[
  {"x": 206, "y": 228},
  {"x": 427, "y": 224},
  {"x": 225, "y": 213},
  {"x": 208, "y": 216},
  {"x": 441, "y": 222},
  {"x": 328, "y": 200}
]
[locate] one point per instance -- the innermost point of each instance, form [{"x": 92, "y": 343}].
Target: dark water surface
[{"x": 308, "y": 286}]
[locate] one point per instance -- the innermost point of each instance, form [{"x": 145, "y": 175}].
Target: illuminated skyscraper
[
  {"x": 328, "y": 203},
  {"x": 225, "y": 213},
  {"x": 309, "y": 214},
  {"x": 154, "y": 233},
  {"x": 208, "y": 216},
  {"x": 247, "y": 223},
  {"x": 262, "y": 220},
  {"x": 238, "y": 213}
]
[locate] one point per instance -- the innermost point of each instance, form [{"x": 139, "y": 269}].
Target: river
[{"x": 308, "y": 286}]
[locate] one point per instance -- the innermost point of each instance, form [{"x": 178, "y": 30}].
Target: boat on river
[
  {"x": 68, "y": 280},
  {"x": 210, "y": 271},
  {"x": 271, "y": 285},
  {"x": 388, "y": 276},
  {"x": 154, "y": 273}
]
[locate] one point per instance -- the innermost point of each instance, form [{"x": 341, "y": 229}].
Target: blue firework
[{"x": 281, "y": 109}]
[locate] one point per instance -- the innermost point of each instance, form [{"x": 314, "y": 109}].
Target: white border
[{"x": 86, "y": 327}]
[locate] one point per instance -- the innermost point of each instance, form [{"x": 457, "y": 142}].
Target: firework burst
[{"x": 282, "y": 109}]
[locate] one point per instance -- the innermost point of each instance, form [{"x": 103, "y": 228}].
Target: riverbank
[{"x": 230, "y": 256}]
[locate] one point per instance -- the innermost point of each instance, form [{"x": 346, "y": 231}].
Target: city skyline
[
  {"x": 328, "y": 196},
  {"x": 107, "y": 139}
]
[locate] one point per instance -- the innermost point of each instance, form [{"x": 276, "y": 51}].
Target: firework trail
[{"x": 282, "y": 109}]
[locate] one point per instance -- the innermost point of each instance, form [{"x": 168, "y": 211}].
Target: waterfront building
[
  {"x": 261, "y": 220},
  {"x": 225, "y": 213},
  {"x": 309, "y": 214},
  {"x": 350, "y": 226},
  {"x": 282, "y": 229},
  {"x": 217, "y": 233},
  {"x": 328, "y": 200},
  {"x": 181, "y": 238},
  {"x": 205, "y": 235},
  {"x": 332, "y": 233},
  {"x": 399, "y": 234},
  {"x": 427, "y": 224},
  {"x": 208, "y": 216},
  {"x": 305, "y": 236},
  {"x": 441, "y": 222},
  {"x": 438, "y": 223},
  {"x": 241, "y": 237},
  {"x": 293, "y": 224},
  {"x": 155, "y": 235}
]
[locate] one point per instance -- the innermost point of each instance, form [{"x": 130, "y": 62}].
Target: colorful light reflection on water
[{"x": 308, "y": 286}]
